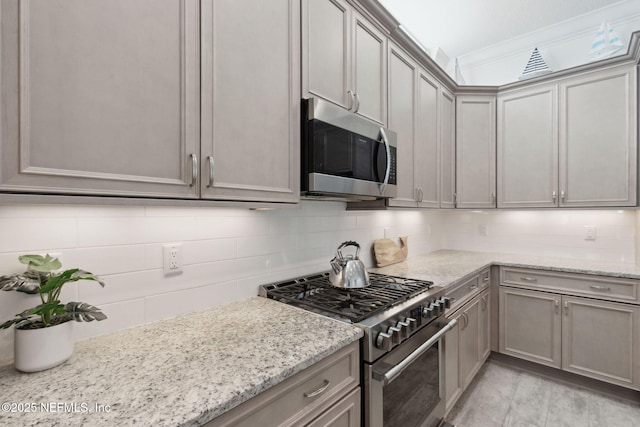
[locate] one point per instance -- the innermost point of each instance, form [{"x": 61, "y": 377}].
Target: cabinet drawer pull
[
  {"x": 473, "y": 286},
  {"x": 321, "y": 390},
  {"x": 600, "y": 288},
  {"x": 485, "y": 279},
  {"x": 194, "y": 169},
  {"x": 529, "y": 279}
]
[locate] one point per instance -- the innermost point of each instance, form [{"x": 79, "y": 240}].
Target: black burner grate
[{"x": 316, "y": 293}]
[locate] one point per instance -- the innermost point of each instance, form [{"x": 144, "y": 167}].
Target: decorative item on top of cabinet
[
  {"x": 344, "y": 58},
  {"x": 476, "y": 151}
]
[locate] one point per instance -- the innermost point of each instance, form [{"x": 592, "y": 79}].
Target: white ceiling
[{"x": 462, "y": 26}]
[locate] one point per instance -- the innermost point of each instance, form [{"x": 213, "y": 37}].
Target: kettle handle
[{"x": 348, "y": 243}]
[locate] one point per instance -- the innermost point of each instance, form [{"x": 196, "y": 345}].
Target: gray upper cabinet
[
  {"x": 250, "y": 100},
  {"x": 344, "y": 58},
  {"x": 476, "y": 151},
  {"x": 402, "y": 115},
  {"x": 447, "y": 148},
  {"x": 528, "y": 148},
  {"x": 570, "y": 143},
  {"x": 427, "y": 147},
  {"x": 91, "y": 110},
  {"x": 435, "y": 144},
  {"x": 598, "y": 138}
]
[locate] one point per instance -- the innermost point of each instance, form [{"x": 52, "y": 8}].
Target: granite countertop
[
  {"x": 449, "y": 267},
  {"x": 178, "y": 372}
]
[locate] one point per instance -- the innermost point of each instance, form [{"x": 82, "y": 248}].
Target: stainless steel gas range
[{"x": 403, "y": 322}]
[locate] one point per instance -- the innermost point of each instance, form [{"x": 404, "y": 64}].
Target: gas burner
[{"x": 354, "y": 305}]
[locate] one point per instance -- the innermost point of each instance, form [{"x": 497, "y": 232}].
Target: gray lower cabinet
[
  {"x": 476, "y": 151},
  {"x": 590, "y": 336},
  {"x": 467, "y": 345},
  {"x": 325, "y": 394},
  {"x": 569, "y": 143},
  {"x": 146, "y": 111}
]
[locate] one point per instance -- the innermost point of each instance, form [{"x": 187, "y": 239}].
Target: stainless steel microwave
[{"x": 345, "y": 155}]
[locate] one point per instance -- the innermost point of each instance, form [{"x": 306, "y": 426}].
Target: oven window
[
  {"x": 410, "y": 398},
  {"x": 339, "y": 152}
]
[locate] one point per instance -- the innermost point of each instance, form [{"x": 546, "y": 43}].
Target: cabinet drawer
[
  {"x": 464, "y": 291},
  {"x": 302, "y": 397},
  {"x": 578, "y": 284}
]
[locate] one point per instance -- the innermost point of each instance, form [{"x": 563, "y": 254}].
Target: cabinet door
[
  {"x": 369, "y": 70},
  {"x": 600, "y": 340},
  {"x": 484, "y": 326},
  {"x": 427, "y": 147},
  {"x": 476, "y": 151},
  {"x": 447, "y": 149},
  {"x": 345, "y": 413},
  {"x": 326, "y": 50},
  {"x": 250, "y": 101},
  {"x": 528, "y": 148},
  {"x": 91, "y": 110},
  {"x": 452, "y": 386},
  {"x": 402, "y": 107},
  {"x": 469, "y": 333},
  {"x": 530, "y": 325},
  {"x": 598, "y": 137}
]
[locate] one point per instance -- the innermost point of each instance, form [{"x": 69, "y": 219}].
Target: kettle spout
[{"x": 335, "y": 265}]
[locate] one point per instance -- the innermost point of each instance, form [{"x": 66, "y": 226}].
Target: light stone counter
[
  {"x": 448, "y": 267},
  {"x": 178, "y": 372}
]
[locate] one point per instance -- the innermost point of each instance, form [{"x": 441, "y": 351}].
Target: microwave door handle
[{"x": 383, "y": 135}]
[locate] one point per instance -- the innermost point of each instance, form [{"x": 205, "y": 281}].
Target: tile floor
[{"x": 503, "y": 395}]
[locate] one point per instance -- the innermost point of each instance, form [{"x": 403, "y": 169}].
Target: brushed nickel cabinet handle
[
  {"x": 485, "y": 279},
  {"x": 321, "y": 390},
  {"x": 566, "y": 308},
  {"x": 351, "y": 100},
  {"x": 529, "y": 279},
  {"x": 357, "y": 98},
  {"x": 562, "y": 196},
  {"x": 211, "y": 171},
  {"x": 194, "y": 169},
  {"x": 553, "y": 196},
  {"x": 556, "y": 303},
  {"x": 600, "y": 288}
]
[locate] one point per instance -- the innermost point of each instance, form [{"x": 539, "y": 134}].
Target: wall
[
  {"x": 227, "y": 253},
  {"x": 558, "y": 233}
]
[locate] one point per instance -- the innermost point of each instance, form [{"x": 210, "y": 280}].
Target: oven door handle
[{"x": 391, "y": 374}]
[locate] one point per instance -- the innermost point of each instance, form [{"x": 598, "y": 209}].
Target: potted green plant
[{"x": 44, "y": 334}]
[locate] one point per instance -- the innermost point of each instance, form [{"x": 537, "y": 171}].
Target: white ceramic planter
[{"x": 39, "y": 349}]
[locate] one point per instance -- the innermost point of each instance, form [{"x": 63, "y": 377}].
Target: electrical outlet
[
  {"x": 589, "y": 232},
  {"x": 483, "y": 230},
  {"x": 387, "y": 232},
  {"x": 172, "y": 253}
]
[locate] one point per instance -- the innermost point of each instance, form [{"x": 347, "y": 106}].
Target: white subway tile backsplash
[{"x": 229, "y": 252}]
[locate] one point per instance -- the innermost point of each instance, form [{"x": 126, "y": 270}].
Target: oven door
[{"x": 406, "y": 387}]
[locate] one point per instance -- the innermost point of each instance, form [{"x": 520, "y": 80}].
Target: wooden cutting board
[{"x": 387, "y": 252}]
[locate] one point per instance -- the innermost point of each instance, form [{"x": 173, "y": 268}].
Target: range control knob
[
  {"x": 395, "y": 334},
  {"x": 446, "y": 301},
  {"x": 427, "y": 312},
  {"x": 404, "y": 329},
  {"x": 413, "y": 324},
  {"x": 384, "y": 341},
  {"x": 438, "y": 308}
]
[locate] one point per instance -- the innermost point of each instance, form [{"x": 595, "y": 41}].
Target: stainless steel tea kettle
[{"x": 348, "y": 271}]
